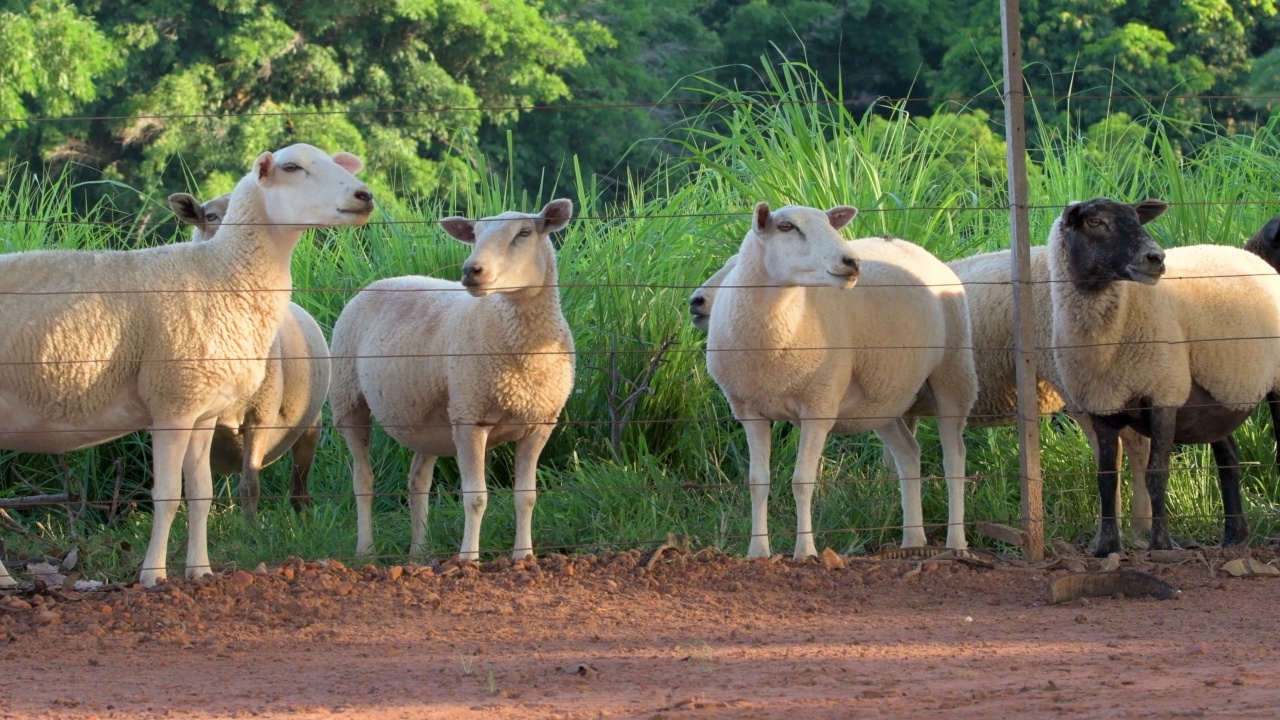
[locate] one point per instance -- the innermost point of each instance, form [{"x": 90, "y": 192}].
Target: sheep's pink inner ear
[
  {"x": 1149, "y": 210},
  {"x": 263, "y": 165},
  {"x": 840, "y": 215},
  {"x": 556, "y": 215},
  {"x": 347, "y": 161},
  {"x": 762, "y": 217},
  {"x": 460, "y": 229}
]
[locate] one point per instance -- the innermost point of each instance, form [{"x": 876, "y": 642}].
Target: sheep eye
[
  {"x": 525, "y": 232},
  {"x": 291, "y": 167},
  {"x": 210, "y": 217},
  {"x": 786, "y": 227},
  {"x": 1093, "y": 222}
]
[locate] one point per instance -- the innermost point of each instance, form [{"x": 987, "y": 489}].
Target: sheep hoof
[{"x": 1131, "y": 583}]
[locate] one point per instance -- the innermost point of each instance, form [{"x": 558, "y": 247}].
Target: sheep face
[
  {"x": 512, "y": 251},
  {"x": 1266, "y": 243},
  {"x": 701, "y": 300},
  {"x": 303, "y": 187},
  {"x": 802, "y": 246},
  {"x": 1105, "y": 242},
  {"x": 206, "y": 217}
]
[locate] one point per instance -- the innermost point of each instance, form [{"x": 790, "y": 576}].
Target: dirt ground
[{"x": 693, "y": 636}]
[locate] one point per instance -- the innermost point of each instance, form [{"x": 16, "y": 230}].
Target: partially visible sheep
[
  {"x": 989, "y": 291},
  {"x": 1181, "y": 359},
  {"x": 285, "y": 412},
  {"x": 795, "y": 340},
  {"x": 163, "y": 338},
  {"x": 448, "y": 372},
  {"x": 1266, "y": 245}
]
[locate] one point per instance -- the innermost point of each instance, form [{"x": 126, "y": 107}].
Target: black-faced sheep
[
  {"x": 453, "y": 369},
  {"x": 1178, "y": 344},
  {"x": 794, "y": 339}
]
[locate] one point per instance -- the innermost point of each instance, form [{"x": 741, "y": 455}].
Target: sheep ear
[
  {"x": 1071, "y": 216},
  {"x": 460, "y": 229},
  {"x": 556, "y": 215},
  {"x": 189, "y": 211},
  {"x": 263, "y": 165},
  {"x": 760, "y": 222},
  {"x": 840, "y": 215},
  {"x": 347, "y": 161},
  {"x": 1271, "y": 231},
  {"x": 1149, "y": 210}
]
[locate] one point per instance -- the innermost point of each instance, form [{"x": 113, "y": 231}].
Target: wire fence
[{"x": 975, "y": 477}]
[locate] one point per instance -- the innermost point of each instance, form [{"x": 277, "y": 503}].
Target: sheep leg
[
  {"x": 1227, "y": 455},
  {"x": 525, "y": 491},
  {"x": 1138, "y": 449},
  {"x": 420, "y": 471},
  {"x": 199, "y": 488},
  {"x": 1106, "y": 452},
  {"x": 1273, "y": 404},
  {"x": 951, "y": 432},
  {"x": 1163, "y": 424},
  {"x": 471, "y": 441},
  {"x": 759, "y": 441},
  {"x": 813, "y": 436},
  {"x": 169, "y": 440},
  {"x": 6, "y": 580},
  {"x": 906, "y": 455},
  {"x": 251, "y": 468},
  {"x": 304, "y": 454},
  {"x": 891, "y": 470},
  {"x": 356, "y": 430}
]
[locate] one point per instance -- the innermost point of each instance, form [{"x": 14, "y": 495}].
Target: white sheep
[
  {"x": 453, "y": 369},
  {"x": 1178, "y": 344},
  {"x": 105, "y": 343},
  {"x": 795, "y": 340},
  {"x": 989, "y": 291},
  {"x": 285, "y": 413}
]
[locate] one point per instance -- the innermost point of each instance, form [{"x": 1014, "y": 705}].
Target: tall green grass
[{"x": 626, "y": 271}]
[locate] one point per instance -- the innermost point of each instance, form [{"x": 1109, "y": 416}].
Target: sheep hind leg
[
  {"x": 951, "y": 432},
  {"x": 304, "y": 455},
  {"x": 891, "y": 470},
  {"x": 1235, "y": 527},
  {"x": 356, "y": 428},
  {"x": 420, "y": 471},
  {"x": 471, "y": 441},
  {"x": 906, "y": 455},
  {"x": 250, "y": 489},
  {"x": 169, "y": 440},
  {"x": 1137, "y": 448},
  {"x": 813, "y": 436},
  {"x": 199, "y": 488}
]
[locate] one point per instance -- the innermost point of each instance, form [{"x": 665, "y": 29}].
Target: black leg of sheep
[{"x": 1227, "y": 455}]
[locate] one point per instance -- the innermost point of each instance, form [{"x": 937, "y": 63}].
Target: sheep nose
[
  {"x": 1155, "y": 256},
  {"x": 364, "y": 196},
  {"x": 697, "y": 301},
  {"x": 472, "y": 273},
  {"x": 850, "y": 263}
]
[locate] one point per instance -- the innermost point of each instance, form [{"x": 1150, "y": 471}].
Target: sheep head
[
  {"x": 703, "y": 298},
  {"x": 303, "y": 187},
  {"x": 510, "y": 252},
  {"x": 207, "y": 217},
  {"x": 1266, "y": 243},
  {"x": 802, "y": 246},
  {"x": 1105, "y": 241}
]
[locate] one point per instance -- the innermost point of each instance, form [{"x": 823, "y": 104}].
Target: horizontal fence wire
[{"x": 711, "y": 103}]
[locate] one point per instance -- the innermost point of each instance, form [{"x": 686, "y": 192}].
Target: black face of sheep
[
  {"x": 1105, "y": 242},
  {"x": 1266, "y": 243}
]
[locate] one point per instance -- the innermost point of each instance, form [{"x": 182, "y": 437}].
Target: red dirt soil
[{"x": 695, "y": 636}]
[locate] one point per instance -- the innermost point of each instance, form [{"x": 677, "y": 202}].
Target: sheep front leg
[
  {"x": 897, "y": 437},
  {"x": 1106, "y": 452},
  {"x": 1163, "y": 424},
  {"x": 199, "y": 487},
  {"x": 471, "y": 441},
  {"x": 420, "y": 471},
  {"x": 813, "y": 436},
  {"x": 169, "y": 441},
  {"x": 525, "y": 490},
  {"x": 759, "y": 439}
]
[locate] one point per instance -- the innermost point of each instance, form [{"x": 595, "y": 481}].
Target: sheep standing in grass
[
  {"x": 1178, "y": 344},
  {"x": 453, "y": 368},
  {"x": 105, "y": 343},
  {"x": 1266, "y": 245},
  {"x": 285, "y": 413},
  {"x": 795, "y": 340},
  {"x": 988, "y": 287}
]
